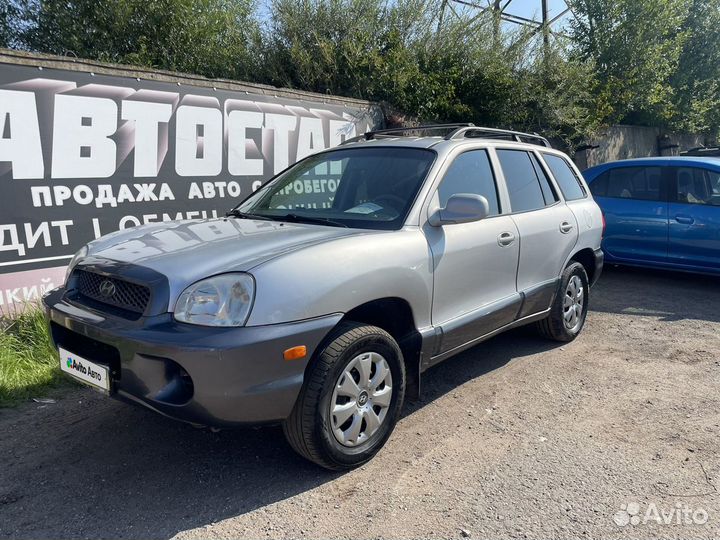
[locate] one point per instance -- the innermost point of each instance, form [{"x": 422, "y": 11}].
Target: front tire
[
  {"x": 569, "y": 309},
  {"x": 351, "y": 398}
]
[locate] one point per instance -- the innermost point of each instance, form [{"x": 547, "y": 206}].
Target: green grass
[{"x": 29, "y": 364}]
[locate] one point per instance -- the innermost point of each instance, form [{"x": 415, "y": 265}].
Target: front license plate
[{"x": 85, "y": 370}]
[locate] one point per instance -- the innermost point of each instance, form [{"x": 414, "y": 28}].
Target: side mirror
[{"x": 461, "y": 208}]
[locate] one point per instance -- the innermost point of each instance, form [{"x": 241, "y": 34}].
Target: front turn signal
[{"x": 295, "y": 353}]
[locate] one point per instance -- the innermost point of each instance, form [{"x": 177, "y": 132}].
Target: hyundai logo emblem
[{"x": 107, "y": 288}]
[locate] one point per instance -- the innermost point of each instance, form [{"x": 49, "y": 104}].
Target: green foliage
[
  {"x": 9, "y": 20},
  {"x": 401, "y": 53},
  {"x": 653, "y": 62},
  {"x": 29, "y": 364},
  {"x": 207, "y": 37},
  {"x": 359, "y": 47},
  {"x": 636, "y": 47},
  {"x": 696, "y": 82},
  {"x": 557, "y": 98}
]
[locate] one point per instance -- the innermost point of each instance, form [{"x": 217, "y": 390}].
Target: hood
[{"x": 187, "y": 251}]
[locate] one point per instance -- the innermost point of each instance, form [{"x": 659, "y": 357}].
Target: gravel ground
[{"x": 516, "y": 438}]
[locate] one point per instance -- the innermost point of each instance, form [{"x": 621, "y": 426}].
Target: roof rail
[
  {"x": 494, "y": 133},
  {"x": 459, "y": 131},
  {"x": 699, "y": 151},
  {"x": 370, "y": 135}
]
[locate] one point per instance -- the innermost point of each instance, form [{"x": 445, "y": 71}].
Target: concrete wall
[{"x": 624, "y": 142}]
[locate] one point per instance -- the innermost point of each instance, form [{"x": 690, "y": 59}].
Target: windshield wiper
[
  {"x": 297, "y": 218},
  {"x": 245, "y": 215}
]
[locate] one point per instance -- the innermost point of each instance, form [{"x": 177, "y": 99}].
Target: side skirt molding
[{"x": 456, "y": 350}]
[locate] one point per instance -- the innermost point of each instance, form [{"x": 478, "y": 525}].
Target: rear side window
[
  {"x": 522, "y": 181},
  {"x": 566, "y": 178},
  {"x": 639, "y": 183},
  {"x": 470, "y": 173}
]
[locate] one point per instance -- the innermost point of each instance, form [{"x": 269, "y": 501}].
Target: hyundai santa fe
[{"x": 321, "y": 300}]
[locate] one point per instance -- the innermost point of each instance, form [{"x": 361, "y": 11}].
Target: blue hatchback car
[{"x": 662, "y": 212}]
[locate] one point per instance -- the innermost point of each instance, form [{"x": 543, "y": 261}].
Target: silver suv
[{"x": 320, "y": 300}]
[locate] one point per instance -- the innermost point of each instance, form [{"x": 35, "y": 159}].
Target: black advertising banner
[{"x": 84, "y": 154}]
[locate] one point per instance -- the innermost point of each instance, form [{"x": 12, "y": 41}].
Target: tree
[
  {"x": 356, "y": 47},
  {"x": 207, "y": 37},
  {"x": 451, "y": 69},
  {"x": 696, "y": 82},
  {"x": 635, "y": 46},
  {"x": 9, "y": 20},
  {"x": 456, "y": 67}
]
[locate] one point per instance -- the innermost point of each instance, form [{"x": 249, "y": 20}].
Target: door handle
[
  {"x": 505, "y": 239},
  {"x": 566, "y": 227},
  {"x": 684, "y": 219}
]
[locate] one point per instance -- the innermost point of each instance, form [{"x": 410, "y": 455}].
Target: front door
[
  {"x": 474, "y": 263},
  {"x": 694, "y": 212}
]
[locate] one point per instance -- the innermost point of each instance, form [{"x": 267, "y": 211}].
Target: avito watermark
[{"x": 632, "y": 514}]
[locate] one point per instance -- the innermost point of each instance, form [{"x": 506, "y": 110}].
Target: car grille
[{"x": 112, "y": 291}]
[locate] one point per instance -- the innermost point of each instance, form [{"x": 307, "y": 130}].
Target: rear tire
[
  {"x": 351, "y": 399},
  {"x": 569, "y": 308}
]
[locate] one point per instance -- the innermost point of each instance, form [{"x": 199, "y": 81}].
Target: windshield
[{"x": 370, "y": 188}]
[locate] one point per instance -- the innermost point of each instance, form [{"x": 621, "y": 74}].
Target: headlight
[
  {"x": 79, "y": 256},
  {"x": 223, "y": 300}
]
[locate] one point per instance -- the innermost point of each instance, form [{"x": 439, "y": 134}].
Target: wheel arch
[
  {"x": 586, "y": 257},
  {"x": 395, "y": 316}
]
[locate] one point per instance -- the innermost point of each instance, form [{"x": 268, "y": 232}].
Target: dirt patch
[{"x": 516, "y": 438}]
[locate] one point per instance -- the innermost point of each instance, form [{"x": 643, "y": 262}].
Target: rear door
[
  {"x": 548, "y": 228},
  {"x": 694, "y": 212},
  {"x": 577, "y": 198},
  {"x": 634, "y": 202}
]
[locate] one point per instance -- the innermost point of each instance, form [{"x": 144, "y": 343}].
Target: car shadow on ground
[
  {"x": 478, "y": 361},
  {"x": 92, "y": 467},
  {"x": 671, "y": 296},
  {"x": 107, "y": 469}
]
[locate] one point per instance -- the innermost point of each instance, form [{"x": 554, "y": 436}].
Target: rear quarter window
[{"x": 565, "y": 176}]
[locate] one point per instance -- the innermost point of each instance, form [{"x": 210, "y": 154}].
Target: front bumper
[{"x": 210, "y": 376}]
